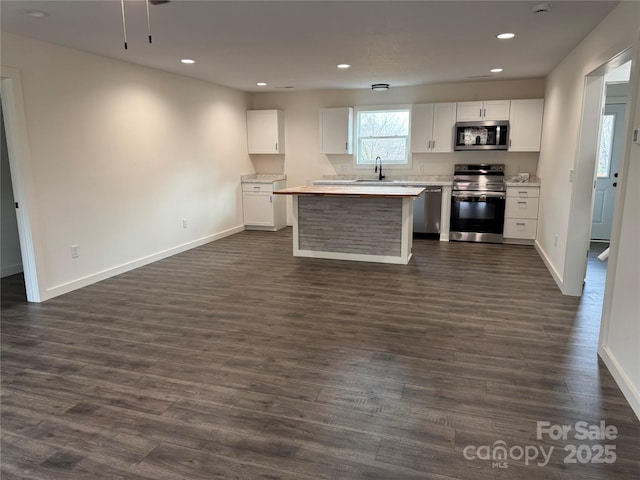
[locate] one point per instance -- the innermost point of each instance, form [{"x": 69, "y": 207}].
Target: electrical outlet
[
  {"x": 184, "y": 223},
  {"x": 74, "y": 251},
  {"x": 422, "y": 168}
]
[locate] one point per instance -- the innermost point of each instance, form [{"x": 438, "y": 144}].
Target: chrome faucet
[{"x": 380, "y": 175}]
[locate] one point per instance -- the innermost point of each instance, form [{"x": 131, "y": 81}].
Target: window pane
[
  {"x": 384, "y": 134},
  {"x": 390, "y": 150},
  {"x": 606, "y": 145}
]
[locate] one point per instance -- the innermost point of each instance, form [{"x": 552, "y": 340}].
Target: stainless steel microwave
[{"x": 489, "y": 135}]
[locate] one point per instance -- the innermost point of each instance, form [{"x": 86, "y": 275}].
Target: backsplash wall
[{"x": 303, "y": 162}]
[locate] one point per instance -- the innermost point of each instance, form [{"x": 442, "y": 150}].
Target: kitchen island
[{"x": 360, "y": 223}]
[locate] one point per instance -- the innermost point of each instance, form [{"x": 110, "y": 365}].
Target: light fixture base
[{"x": 380, "y": 86}]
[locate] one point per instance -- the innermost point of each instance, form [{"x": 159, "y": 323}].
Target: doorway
[
  {"x": 10, "y": 257},
  {"x": 18, "y": 156}
]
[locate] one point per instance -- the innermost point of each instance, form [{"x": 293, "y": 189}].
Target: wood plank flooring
[{"x": 236, "y": 360}]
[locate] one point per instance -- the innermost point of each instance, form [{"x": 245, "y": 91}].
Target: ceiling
[{"x": 297, "y": 44}]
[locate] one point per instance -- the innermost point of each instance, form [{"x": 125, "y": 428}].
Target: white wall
[
  {"x": 620, "y": 330},
  {"x": 119, "y": 155},
  {"x": 620, "y": 334},
  {"x": 564, "y": 94},
  {"x": 303, "y": 161},
  {"x": 10, "y": 258}
]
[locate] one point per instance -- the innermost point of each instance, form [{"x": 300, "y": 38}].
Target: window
[
  {"x": 606, "y": 145},
  {"x": 382, "y": 132}
]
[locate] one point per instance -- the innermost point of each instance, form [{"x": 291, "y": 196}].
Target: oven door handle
[{"x": 463, "y": 195}]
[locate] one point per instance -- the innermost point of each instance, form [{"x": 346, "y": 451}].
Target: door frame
[
  {"x": 584, "y": 175},
  {"x": 21, "y": 175}
]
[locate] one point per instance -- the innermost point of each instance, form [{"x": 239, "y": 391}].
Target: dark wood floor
[{"x": 237, "y": 361}]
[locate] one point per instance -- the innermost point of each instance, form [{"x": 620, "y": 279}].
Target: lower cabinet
[
  {"x": 262, "y": 210},
  {"x": 521, "y": 214}
]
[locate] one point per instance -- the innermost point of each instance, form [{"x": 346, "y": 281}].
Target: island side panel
[{"x": 360, "y": 225}]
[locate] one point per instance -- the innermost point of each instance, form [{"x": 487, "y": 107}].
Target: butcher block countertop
[{"x": 353, "y": 191}]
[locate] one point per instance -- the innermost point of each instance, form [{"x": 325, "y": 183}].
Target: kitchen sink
[{"x": 376, "y": 181}]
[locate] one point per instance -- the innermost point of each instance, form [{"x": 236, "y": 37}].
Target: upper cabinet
[
  {"x": 526, "y": 125},
  {"x": 265, "y": 131},
  {"x": 487, "y": 110},
  {"x": 432, "y": 127},
  {"x": 336, "y": 131}
]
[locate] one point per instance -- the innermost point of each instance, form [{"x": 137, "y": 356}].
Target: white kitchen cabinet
[
  {"x": 483, "y": 110},
  {"x": 432, "y": 127},
  {"x": 262, "y": 210},
  {"x": 525, "y": 122},
  {"x": 521, "y": 214},
  {"x": 265, "y": 131},
  {"x": 336, "y": 131}
]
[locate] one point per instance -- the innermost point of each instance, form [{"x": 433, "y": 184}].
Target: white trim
[
  {"x": 125, "y": 267},
  {"x": 357, "y": 257},
  {"x": 626, "y": 386},
  {"x": 7, "y": 271},
  {"x": 552, "y": 270}
]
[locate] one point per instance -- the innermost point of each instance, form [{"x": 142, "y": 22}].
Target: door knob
[{"x": 615, "y": 184}]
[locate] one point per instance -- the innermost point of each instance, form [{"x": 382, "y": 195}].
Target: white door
[{"x": 607, "y": 174}]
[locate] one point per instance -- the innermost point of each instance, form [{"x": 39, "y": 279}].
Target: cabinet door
[
  {"x": 265, "y": 131},
  {"x": 469, "y": 111},
  {"x": 336, "y": 131},
  {"x": 421, "y": 128},
  {"x": 496, "y": 109},
  {"x": 258, "y": 209},
  {"x": 526, "y": 125},
  {"x": 444, "y": 120}
]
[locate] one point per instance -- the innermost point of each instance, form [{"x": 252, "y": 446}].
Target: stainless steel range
[{"x": 477, "y": 203}]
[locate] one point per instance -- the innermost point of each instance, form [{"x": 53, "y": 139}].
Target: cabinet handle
[
  {"x": 433, "y": 144},
  {"x": 484, "y": 112},
  {"x": 271, "y": 199},
  {"x": 346, "y": 146},
  {"x": 522, "y": 193},
  {"x": 522, "y": 203},
  {"x": 509, "y": 143},
  {"x": 522, "y": 224},
  {"x": 480, "y": 113},
  {"x": 276, "y": 147}
]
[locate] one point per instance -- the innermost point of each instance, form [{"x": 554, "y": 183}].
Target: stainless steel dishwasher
[{"x": 426, "y": 213}]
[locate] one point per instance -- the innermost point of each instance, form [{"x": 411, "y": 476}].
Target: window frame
[{"x": 356, "y": 132}]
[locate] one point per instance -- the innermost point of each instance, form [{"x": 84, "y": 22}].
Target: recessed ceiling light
[
  {"x": 495, "y": 70},
  {"x": 505, "y": 36},
  {"x": 188, "y": 61},
  {"x": 261, "y": 84},
  {"x": 34, "y": 13},
  {"x": 343, "y": 66}
]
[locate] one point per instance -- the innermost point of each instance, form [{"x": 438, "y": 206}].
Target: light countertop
[
  {"x": 262, "y": 178},
  {"x": 353, "y": 191},
  {"x": 400, "y": 180},
  {"x": 515, "y": 182}
]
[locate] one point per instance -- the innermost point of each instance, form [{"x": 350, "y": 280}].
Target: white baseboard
[
  {"x": 111, "y": 272},
  {"x": 7, "y": 271},
  {"x": 628, "y": 390},
  {"x": 552, "y": 270}
]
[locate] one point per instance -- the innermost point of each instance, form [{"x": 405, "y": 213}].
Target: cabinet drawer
[
  {"x": 257, "y": 187},
  {"x": 517, "y": 207},
  {"x": 520, "y": 228},
  {"x": 523, "y": 192}
]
